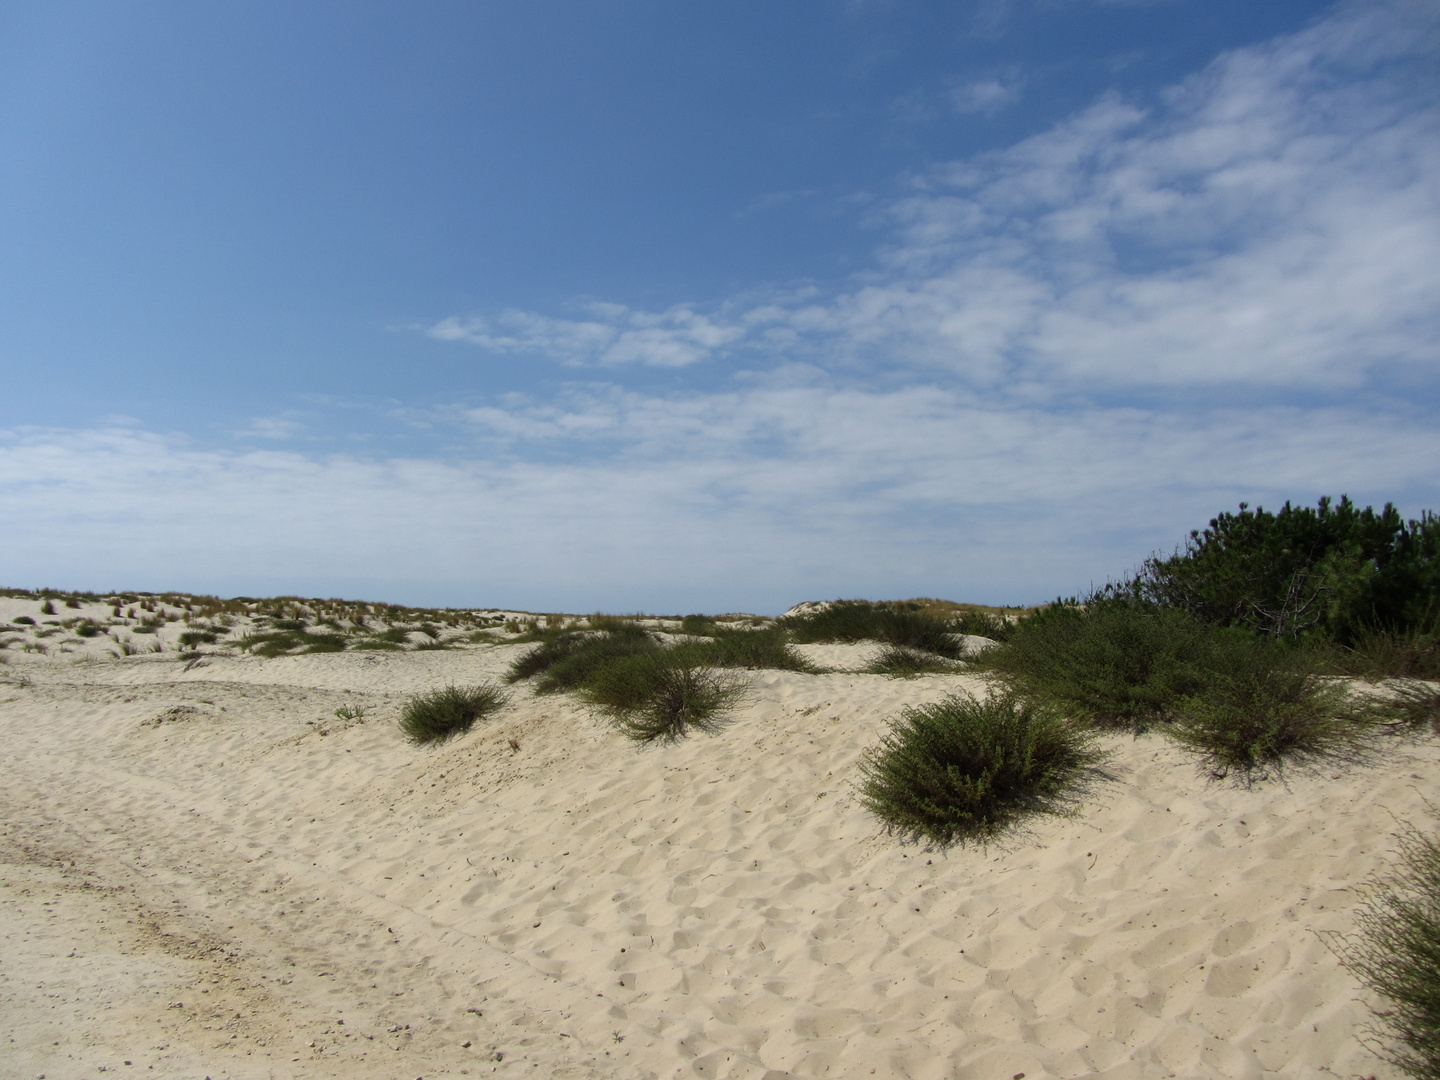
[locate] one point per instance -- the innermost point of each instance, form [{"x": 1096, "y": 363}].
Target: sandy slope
[{"x": 204, "y": 872}]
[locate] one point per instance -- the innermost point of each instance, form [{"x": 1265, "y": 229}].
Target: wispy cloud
[
  {"x": 613, "y": 334},
  {"x": 1273, "y": 222},
  {"x": 985, "y": 95}
]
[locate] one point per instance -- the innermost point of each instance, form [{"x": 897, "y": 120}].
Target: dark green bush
[
  {"x": 1389, "y": 656},
  {"x": 1417, "y": 707},
  {"x": 753, "y": 649},
  {"x": 564, "y": 661},
  {"x": 1113, "y": 663},
  {"x": 900, "y": 662},
  {"x": 289, "y": 624},
  {"x": 697, "y": 625},
  {"x": 26, "y": 619},
  {"x": 443, "y": 714},
  {"x": 963, "y": 769},
  {"x": 323, "y": 643},
  {"x": 984, "y": 624},
  {"x": 1336, "y": 571},
  {"x": 190, "y": 638},
  {"x": 1262, "y": 706},
  {"x": 661, "y": 694},
  {"x": 1397, "y": 954},
  {"x": 89, "y": 629},
  {"x": 860, "y": 620}
]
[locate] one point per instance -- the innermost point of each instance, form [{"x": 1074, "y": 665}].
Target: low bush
[
  {"x": 1416, "y": 706},
  {"x": 1397, "y": 954},
  {"x": 89, "y": 629},
  {"x": 753, "y": 649},
  {"x": 901, "y": 662},
  {"x": 443, "y": 714},
  {"x": 191, "y": 638},
  {"x": 25, "y": 619},
  {"x": 697, "y": 625},
  {"x": 661, "y": 694},
  {"x": 564, "y": 661},
  {"x": 984, "y": 624},
  {"x": 964, "y": 768},
  {"x": 1262, "y": 706},
  {"x": 289, "y": 624},
  {"x": 1113, "y": 663},
  {"x": 860, "y": 620},
  {"x": 1389, "y": 656}
]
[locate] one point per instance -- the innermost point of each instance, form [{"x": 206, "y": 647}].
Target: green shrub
[
  {"x": 963, "y": 768},
  {"x": 860, "y": 620},
  {"x": 753, "y": 649},
  {"x": 565, "y": 660},
  {"x": 697, "y": 625},
  {"x": 47, "y": 608},
  {"x": 396, "y": 635},
  {"x": 1397, "y": 954},
  {"x": 901, "y": 662},
  {"x": 323, "y": 643},
  {"x": 1417, "y": 706},
  {"x": 191, "y": 638},
  {"x": 661, "y": 694},
  {"x": 443, "y": 714},
  {"x": 25, "y": 619},
  {"x": 1335, "y": 570},
  {"x": 88, "y": 629},
  {"x": 1389, "y": 656},
  {"x": 984, "y": 624},
  {"x": 1114, "y": 663},
  {"x": 1261, "y": 706},
  {"x": 289, "y": 624}
]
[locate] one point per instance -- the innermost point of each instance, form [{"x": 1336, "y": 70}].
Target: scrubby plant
[
  {"x": 899, "y": 661},
  {"x": 1416, "y": 706},
  {"x": 1262, "y": 707},
  {"x": 47, "y": 608},
  {"x": 191, "y": 638},
  {"x": 964, "y": 768},
  {"x": 25, "y": 619},
  {"x": 566, "y": 659},
  {"x": 289, "y": 624},
  {"x": 88, "y": 629},
  {"x": 860, "y": 620},
  {"x": 756, "y": 649},
  {"x": 661, "y": 694},
  {"x": 1396, "y": 953},
  {"x": 697, "y": 625},
  {"x": 443, "y": 714},
  {"x": 1113, "y": 662},
  {"x": 983, "y": 624}
]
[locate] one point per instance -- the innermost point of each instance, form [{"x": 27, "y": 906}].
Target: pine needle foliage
[
  {"x": 964, "y": 768},
  {"x": 1397, "y": 954},
  {"x": 443, "y": 714}
]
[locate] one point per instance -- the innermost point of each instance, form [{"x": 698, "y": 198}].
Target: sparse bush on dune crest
[
  {"x": 1396, "y": 953},
  {"x": 860, "y": 620},
  {"x": 964, "y": 768},
  {"x": 443, "y": 714},
  {"x": 900, "y": 661}
]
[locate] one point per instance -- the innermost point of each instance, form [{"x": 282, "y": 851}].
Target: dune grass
[
  {"x": 902, "y": 662},
  {"x": 755, "y": 649},
  {"x": 860, "y": 620},
  {"x": 661, "y": 694},
  {"x": 1397, "y": 954},
  {"x": 964, "y": 768},
  {"x": 443, "y": 714},
  {"x": 564, "y": 661}
]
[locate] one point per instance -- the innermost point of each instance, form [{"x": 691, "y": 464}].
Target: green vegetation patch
[
  {"x": 662, "y": 694},
  {"x": 1397, "y": 954},
  {"x": 1114, "y": 663},
  {"x": 901, "y": 662},
  {"x": 964, "y": 768},
  {"x": 860, "y": 620},
  {"x": 1262, "y": 707},
  {"x": 443, "y": 714}
]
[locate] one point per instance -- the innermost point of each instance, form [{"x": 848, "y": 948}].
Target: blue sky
[{"x": 703, "y": 307}]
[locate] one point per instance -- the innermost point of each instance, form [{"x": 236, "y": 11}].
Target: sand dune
[{"x": 205, "y": 872}]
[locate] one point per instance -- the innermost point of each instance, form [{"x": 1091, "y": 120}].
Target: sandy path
[{"x": 721, "y": 907}]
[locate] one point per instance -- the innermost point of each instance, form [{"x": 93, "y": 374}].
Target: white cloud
[
  {"x": 984, "y": 95},
  {"x": 614, "y": 335},
  {"x": 1273, "y": 222},
  {"x": 792, "y": 488}
]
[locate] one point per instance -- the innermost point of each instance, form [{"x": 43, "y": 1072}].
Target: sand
[{"x": 204, "y": 872}]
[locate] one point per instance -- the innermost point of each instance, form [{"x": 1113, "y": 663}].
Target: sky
[{"x": 646, "y": 306}]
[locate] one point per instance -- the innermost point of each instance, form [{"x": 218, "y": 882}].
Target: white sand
[{"x": 204, "y": 872}]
